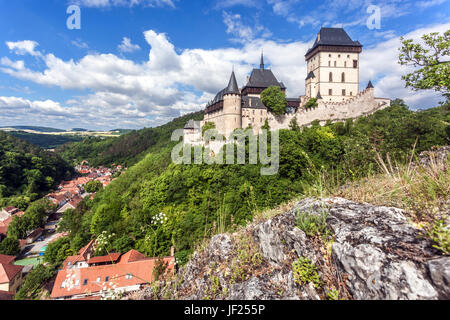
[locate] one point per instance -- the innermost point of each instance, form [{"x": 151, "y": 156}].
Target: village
[{"x": 68, "y": 195}]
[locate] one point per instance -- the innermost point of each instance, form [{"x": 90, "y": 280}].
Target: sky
[{"x": 140, "y": 63}]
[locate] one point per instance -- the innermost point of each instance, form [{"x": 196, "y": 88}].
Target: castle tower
[
  {"x": 333, "y": 66},
  {"x": 232, "y": 115}
]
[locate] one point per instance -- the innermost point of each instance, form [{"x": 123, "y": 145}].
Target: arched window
[
  {"x": 331, "y": 77},
  {"x": 343, "y": 77}
]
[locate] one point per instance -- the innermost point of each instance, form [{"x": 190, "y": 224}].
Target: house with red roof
[
  {"x": 10, "y": 274},
  {"x": 86, "y": 277}
]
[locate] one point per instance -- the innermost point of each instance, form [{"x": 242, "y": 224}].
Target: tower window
[
  {"x": 345, "y": 63},
  {"x": 355, "y": 63},
  {"x": 335, "y": 63},
  {"x": 343, "y": 77},
  {"x": 343, "y": 92},
  {"x": 348, "y": 56},
  {"x": 329, "y": 55},
  {"x": 330, "y": 92},
  {"x": 329, "y": 63},
  {"x": 331, "y": 77},
  {"x": 339, "y": 55}
]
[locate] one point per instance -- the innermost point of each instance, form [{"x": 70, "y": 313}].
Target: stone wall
[{"x": 362, "y": 104}]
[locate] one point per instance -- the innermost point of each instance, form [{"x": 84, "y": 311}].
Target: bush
[
  {"x": 34, "y": 281},
  {"x": 9, "y": 246},
  {"x": 312, "y": 103},
  {"x": 305, "y": 272},
  {"x": 440, "y": 234},
  {"x": 313, "y": 224},
  {"x": 93, "y": 186}
]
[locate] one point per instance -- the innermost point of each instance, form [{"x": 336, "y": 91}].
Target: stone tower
[
  {"x": 333, "y": 66},
  {"x": 232, "y": 115}
]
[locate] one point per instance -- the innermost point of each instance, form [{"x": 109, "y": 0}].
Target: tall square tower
[{"x": 333, "y": 66}]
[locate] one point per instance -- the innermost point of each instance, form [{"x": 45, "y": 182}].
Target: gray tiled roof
[
  {"x": 334, "y": 37},
  {"x": 263, "y": 78},
  {"x": 252, "y": 102},
  {"x": 310, "y": 75}
]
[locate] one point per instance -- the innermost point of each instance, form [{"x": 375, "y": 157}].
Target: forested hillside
[
  {"x": 157, "y": 204},
  {"x": 27, "y": 171},
  {"x": 127, "y": 149}
]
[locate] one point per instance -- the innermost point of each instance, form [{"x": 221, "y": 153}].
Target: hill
[
  {"x": 46, "y": 141},
  {"x": 127, "y": 149},
  {"x": 34, "y": 128},
  {"x": 198, "y": 201},
  {"x": 27, "y": 171}
]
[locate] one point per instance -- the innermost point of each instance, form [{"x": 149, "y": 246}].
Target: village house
[
  {"x": 10, "y": 275},
  {"x": 86, "y": 277},
  {"x": 4, "y": 225}
]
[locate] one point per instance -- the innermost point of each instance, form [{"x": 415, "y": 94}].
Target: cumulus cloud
[
  {"x": 124, "y": 93},
  {"x": 127, "y": 46},
  {"x": 23, "y": 47}
]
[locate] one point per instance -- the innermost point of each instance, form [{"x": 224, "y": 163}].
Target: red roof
[
  {"x": 112, "y": 258},
  {"x": 131, "y": 256},
  {"x": 7, "y": 270},
  {"x": 92, "y": 280}
]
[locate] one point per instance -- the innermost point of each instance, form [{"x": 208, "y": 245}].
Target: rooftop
[{"x": 333, "y": 37}]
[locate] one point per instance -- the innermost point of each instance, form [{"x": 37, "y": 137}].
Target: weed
[{"x": 305, "y": 272}]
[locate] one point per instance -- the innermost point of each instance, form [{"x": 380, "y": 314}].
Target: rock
[{"x": 375, "y": 254}]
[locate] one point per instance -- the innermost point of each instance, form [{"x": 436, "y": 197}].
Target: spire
[
  {"x": 232, "y": 85},
  {"x": 261, "y": 66},
  {"x": 369, "y": 85}
]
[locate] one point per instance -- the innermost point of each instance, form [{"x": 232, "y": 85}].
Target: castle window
[
  {"x": 253, "y": 111},
  {"x": 330, "y": 92},
  {"x": 329, "y": 55},
  {"x": 351, "y": 93},
  {"x": 331, "y": 77},
  {"x": 339, "y": 55},
  {"x": 355, "y": 63},
  {"x": 335, "y": 63},
  {"x": 343, "y": 77},
  {"x": 348, "y": 56},
  {"x": 343, "y": 92},
  {"x": 345, "y": 63},
  {"x": 329, "y": 63}
]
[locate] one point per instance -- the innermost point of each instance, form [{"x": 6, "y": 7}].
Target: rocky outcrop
[{"x": 370, "y": 252}]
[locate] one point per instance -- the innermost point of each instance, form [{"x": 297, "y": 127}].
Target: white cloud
[
  {"x": 127, "y": 46},
  {"x": 430, "y": 3},
  {"x": 123, "y": 93},
  {"x": 80, "y": 44},
  {"x": 23, "y": 47}
]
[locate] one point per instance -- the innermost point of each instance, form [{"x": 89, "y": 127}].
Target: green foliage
[
  {"x": 313, "y": 224},
  {"x": 305, "y": 272},
  {"x": 27, "y": 172},
  {"x": 274, "y": 99},
  {"x": 431, "y": 58},
  {"x": 46, "y": 141},
  {"x": 440, "y": 234},
  {"x": 293, "y": 125},
  {"x": 208, "y": 126},
  {"x": 58, "y": 251},
  {"x": 312, "y": 103},
  {"x": 333, "y": 294},
  {"x": 93, "y": 186},
  {"x": 34, "y": 281},
  {"x": 198, "y": 200},
  {"x": 9, "y": 246}
]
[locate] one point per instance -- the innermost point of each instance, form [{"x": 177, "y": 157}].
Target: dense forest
[
  {"x": 27, "y": 172},
  {"x": 127, "y": 149},
  {"x": 157, "y": 204}
]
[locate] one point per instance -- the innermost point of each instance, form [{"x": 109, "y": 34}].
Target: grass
[{"x": 29, "y": 261}]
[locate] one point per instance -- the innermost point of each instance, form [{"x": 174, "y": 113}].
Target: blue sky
[{"x": 139, "y": 63}]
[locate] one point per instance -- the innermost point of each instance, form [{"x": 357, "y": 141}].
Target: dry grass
[{"x": 421, "y": 190}]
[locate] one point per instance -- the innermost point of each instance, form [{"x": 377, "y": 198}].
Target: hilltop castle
[{"x": 332, "y": 77}]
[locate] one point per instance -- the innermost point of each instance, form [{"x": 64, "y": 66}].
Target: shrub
[
  {"x": 305, "y": 272},
  {"x": 440, "y": 234},
  {"x": 274, "y": 99},
  {"x": 313, "y": 224},
  {"x": 312, "y": 103}
]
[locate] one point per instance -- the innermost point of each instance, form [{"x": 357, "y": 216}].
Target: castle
[{"x": 332, "y": 78}]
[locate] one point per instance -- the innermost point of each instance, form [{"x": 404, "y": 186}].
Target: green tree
[
  {"x": 93, "y": 186},
  {"x": 274, "y": 99},
  {"x": 312, "y": 103},
  {"x": 432, "y": 62},
  {"x": 9, "y": 246}
]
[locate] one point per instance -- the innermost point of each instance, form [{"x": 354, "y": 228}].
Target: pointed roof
[
  {"x": 310, "y": 75},
  {"x": 369, "y": 85},
  {"x": 132, "y": 256},
  {"x": 261, "y": 65},
  {"x": 232, "y": 85}
]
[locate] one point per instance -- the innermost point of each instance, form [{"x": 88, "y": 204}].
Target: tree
[
  {"x": 293, "y": 125},
  {"x": 10, "y": 247},
  {"x": 433, "y": 71},
  {"x": 93, "y": 186},
  {"x": 312, "y": 103},
  {"x": 274, "y": 99},
  {"x": 208, "y": 126}
]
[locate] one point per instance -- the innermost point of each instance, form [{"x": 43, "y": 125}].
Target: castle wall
[{"x": 360, "y": 105}]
